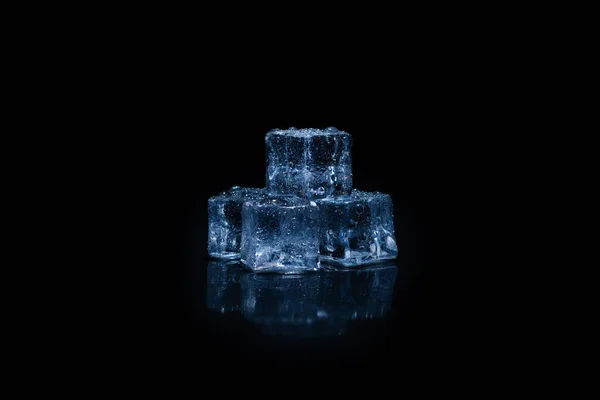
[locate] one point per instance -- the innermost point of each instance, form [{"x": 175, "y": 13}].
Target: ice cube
[
  {"x": 357, "y": 229},
  {"x": 309, "y": 163},
  {"x": 225, "y": 221},
  {"x": 280, "y": 234}
]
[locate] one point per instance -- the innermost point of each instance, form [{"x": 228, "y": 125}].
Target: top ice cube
[{"x": 309, "y": 163}]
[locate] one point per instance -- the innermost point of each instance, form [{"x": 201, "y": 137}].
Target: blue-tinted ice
[
  {"x": 225, "y": 221},
  {"x": 309, "y": 163},
  {"x": 357, "y": 229},
  {"x": 280, "y": 234}
]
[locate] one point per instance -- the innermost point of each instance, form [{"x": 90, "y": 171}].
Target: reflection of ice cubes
[
  {"x": 320, "y": 304},
  {"x": 364, "y": 293},
  {"x": 357, "y": 229},
  {"x": 223, "y": 286},
  {"x": 310, "y": 163},
  {"x": 225, "y": 221},
  {"x": 281, "y": 304},
  {"x": 280, "y": 234}
]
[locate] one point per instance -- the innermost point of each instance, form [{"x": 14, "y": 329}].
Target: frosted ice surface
[
  {"x": 310, "y": 163},
  {"x": 280, "y": 234},
  {"x": 225, "y": 221},
  {"x": 357, "y": 229}
]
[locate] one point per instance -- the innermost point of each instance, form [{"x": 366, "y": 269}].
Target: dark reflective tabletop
[
  {"x": 310, "y": 305},
  {"x": 336, "y": 317}
]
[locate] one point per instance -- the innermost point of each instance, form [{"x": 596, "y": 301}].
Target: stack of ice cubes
[{"x": 307, "y": 214}]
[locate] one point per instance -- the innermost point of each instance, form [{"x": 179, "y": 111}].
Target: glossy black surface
[{"x": 309, "y": 305}]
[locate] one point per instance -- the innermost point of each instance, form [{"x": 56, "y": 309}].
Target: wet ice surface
[
  {"x": 225, "y": 221},
  {"x": 310, "y": 305},
  {"x": 307, "y": 213},
  {"x": 280, "y": 234},
  {"x": 309, "y": 163},
  {"x": 357, "y": 229}
]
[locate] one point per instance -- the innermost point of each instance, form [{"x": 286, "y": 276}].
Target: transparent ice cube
[
  {"x": 357, "y": 229},
  {"x": 309, "y": 163},
  {"x": 280, "y": 234},
  {"x": 225, "y": 221}
]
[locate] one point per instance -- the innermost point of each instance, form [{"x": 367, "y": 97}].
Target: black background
[
  {"x": 219, "y": 142},
  {"x": 425, "y": 109}
]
